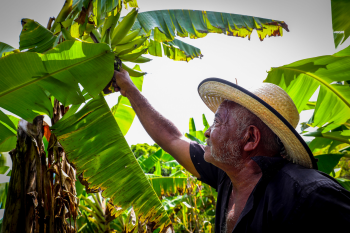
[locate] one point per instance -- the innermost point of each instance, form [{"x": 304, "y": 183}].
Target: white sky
[{"x": 171, "y": 87}]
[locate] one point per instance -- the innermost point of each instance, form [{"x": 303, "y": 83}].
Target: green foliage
[
  {"x": 301, "y": 79},
  {"x": 100, "y": 167},
  {"x": 340, "y": 21},
  {"x": 144, "y": 149},
  {"x": 189, "y": 203}
]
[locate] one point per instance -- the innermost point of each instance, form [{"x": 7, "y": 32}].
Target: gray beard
[{"x": 229, "y": 154}]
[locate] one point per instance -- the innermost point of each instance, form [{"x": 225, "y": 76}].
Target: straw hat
[{"x": 271, "y": 104}]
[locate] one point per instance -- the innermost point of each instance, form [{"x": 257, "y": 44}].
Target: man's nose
[{"x": 207, "y": 132}]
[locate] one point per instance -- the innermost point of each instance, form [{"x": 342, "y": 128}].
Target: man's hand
[{"x": 122, "y": 82}]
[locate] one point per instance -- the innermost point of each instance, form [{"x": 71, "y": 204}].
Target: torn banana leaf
[
  {"x": 166, "y": 24},
  {"x": 95, "y": 145},
  {"x": 169, "y": 186},
  {"x": 175, "y": 50}
]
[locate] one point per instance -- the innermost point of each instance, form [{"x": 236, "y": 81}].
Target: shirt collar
[{"x": 270, "y": 165}]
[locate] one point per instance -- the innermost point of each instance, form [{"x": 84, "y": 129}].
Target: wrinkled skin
[{"x": 224, "y": 141}]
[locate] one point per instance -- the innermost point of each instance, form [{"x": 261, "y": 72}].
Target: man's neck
[
  {"x": 243, "y": 179},
  {"x": 244, "y": 176}
]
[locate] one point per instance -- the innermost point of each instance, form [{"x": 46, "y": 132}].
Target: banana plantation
[{"x": 77, "y": 173}]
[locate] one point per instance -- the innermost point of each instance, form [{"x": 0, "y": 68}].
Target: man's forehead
[
  {"x": 227, "y": 104},
  {"x": 224, "y": 108}
]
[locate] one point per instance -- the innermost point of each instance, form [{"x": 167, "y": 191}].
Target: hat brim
[{"x": 213, "y": 91}]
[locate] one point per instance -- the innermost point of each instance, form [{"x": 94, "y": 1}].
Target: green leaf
[
  {"x": 8, "y": 133},
  {"x": 147, "y": 164},
  {"x": 342, "y": 136},
  {"x": 167, "y": 157},
  {"x": 189, "y": 136},
  {"x": 164, "y": 25},
  {"x": 340, "y": 21},
  {"x": 310, "y": 105},
  {"x": 188, "y": 50},
  {"x": 172, "y": 163},
  {"x": 301, "y": 79},
  {"x": 95, "y": 145},
  {"x": 35, "y": 37},
  {"x": 344, "y": 182},
  {"x": 5, "y": 49},
  {"x": 58, "y": 71},
  {"x": 168, "y": 185},
  {"x": 192, "y": 127},
  {"x": 3, "y": 194},
  {"x": 197, "y": 24},
  {"x": 3, "y": 169},
  {"x": 205, "y": 123},
  {"x": 158, "y": 170},
  {"x": 327, "y": 162},
  {"x": 123, "y": 112}
]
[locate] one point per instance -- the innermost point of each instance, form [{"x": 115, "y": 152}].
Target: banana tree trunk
[
  {"x": 24, "y": 210},
  {"x": 42, "y": 194}
]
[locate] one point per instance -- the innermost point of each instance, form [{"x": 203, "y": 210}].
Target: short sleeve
[{"x": 208, "y": 172}]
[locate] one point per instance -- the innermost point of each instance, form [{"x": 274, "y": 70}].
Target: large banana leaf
[
  {"x": 122, "y": 111},
  {"x": 340, "y": 21},
  {"x": 26, "y": 79},
  {"x": 166, "y": 24},
  {"x": 169, "y": 186},
  {"x": 301, "y": 79},
  {"x": 95, "y": 145}
]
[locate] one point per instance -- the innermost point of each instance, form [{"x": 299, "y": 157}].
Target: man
[{"x": 265, "y": 175}]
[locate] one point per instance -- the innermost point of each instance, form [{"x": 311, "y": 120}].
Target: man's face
[{"x": 223, "y": 138}]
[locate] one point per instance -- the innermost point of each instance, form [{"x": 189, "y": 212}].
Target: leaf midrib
[
  {"x": 51, "y": 74},
  {"x": 319, "y": 79}
]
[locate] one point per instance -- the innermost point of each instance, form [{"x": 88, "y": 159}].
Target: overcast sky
[{"x": 171, "y": 87}]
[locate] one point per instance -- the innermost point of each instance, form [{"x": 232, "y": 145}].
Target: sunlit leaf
[{"x": 58, "y": 71}]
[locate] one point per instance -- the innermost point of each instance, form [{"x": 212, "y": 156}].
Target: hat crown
[{"x": 278, "y": 99}]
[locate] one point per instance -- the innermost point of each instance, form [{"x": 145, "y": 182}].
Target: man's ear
[{"x": 251, "y": 138}]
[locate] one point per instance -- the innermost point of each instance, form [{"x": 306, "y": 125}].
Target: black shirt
[{"x": 287, "y": 198}]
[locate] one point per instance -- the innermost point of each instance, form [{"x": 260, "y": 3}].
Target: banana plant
[
  {"x": 329, "y": 123},
  {"x": 64, "y": 71}
]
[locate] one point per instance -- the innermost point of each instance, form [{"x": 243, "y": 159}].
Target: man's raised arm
[{"x": 161, "y": 130}]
